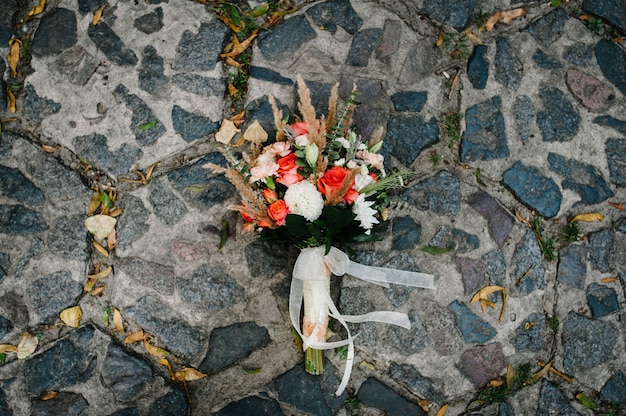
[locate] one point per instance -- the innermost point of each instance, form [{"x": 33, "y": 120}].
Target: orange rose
[
  {"x": 270, "y": 196},
  {"x": 351, "y": 195},
  {"x": 332, "y": 181},
  {"x": 288, "y": 170},
  {"x": 278, "y": 211}
]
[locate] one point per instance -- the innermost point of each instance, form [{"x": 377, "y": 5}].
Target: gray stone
[
  {"x": 15, "y": 308},
  {"x": 192, "y": 126},
  {"x": 529, "y": 335},
  {"x": 376, "y": 394},
  {"x": 389, "y": 42},
  {"x": 408, "y": 135},
  {"x": 330, "y": 14},
  {"x": 319, "y": 93},
  {"x": 495, "y": 268},
  {"x": 548, "y": 28},
  {"x": 602, "y": 300},
  {"x": 455, "y": 239},
  {"x": 614, "y": 123},
  {"x": 36, "y": 248},
  {"x": 612, "y": 61},
  {"x": 472, "y": 274},
  {"x": 614, "y": 390},
  {"x": 371, "y": 113},
  {"x": 613, "y": 11},
  {"x": 144, "y": 124},
  {"x": 473, "y": 328},
  {"x": 412, "y": 101},
  {"x": 352, "y": 301},
  {"x": 68, "y": 237},
  {"x": 94, "y": 149},
  {"x": 56, "y": 33},
  {"x": 173, "y": 403},
  {"x": 584, "y": 179},
  {"x": 398, "y": 294},
  {"x": 68, "y": 362},
  {"x": 508, "y": 67},
  {"x": 5, "y": 265},
  {"x": 199, "y": 85},
  {"x": 15, "y": 185},
  {"x": 76, "y": 64},
  {"x": 406, "y": 233},
  {"x": 420, "y": 385},
  {"x": 302, "y": 391},
  {"x": 440, "y": 193},
  {"x": 111, "y": 45},
  {"x": 37, "y": 108},
  {"x": 261, "y": 110},
  {"x": 499, "y": 221},
  {"x": 266, "y": 74},
  {"x": 419, "y": 63},
  {"x": 446, "y": 338},
  {"x": 126, "y": 375},
  {"x": 64, "y": 403},
  {"x": 129, "y": 411},
  {"x": 484, "y": 137},
  {"x": 600, "y": 247},
  {"x": 453, "y": 13},
  {"x": 410, "y": 341},
  {"x": 533, "y": 189},
  {"x": 282, "y": 42},
  {"x": 478, "y": 67},
  {"x": 131, "y": 224},
  {"x": 228, "y": 345},
  {"x": 482, "y": 363},
  {"x": 159, "y": 277},
  {"x": 4, "y": 404},
  {"x": 572, "y": 268},
  {"x": 252, "y": 405},
  {"x": 211, "y": 287},
  {"x": 89, "y": 6},
  {"x": 615, "y": 150},
  {"x": 553, "y": 402},
  {"x": 586, "y": 342},
  {"x": 578, "y": 54},
  {"x": 528, "y": 261},
  {"x": 7, "y": 10},
  {"x": 589, "y": 90},
  {"x": 51, "y": 294},
  {"x": 505, "y": 409},
  {"x": 3, "y": 84},
  {"x": 362, "y": 47},
  {"x": 150, "y": 22},
  {"x": 200, "y": 52},
  {"x": 6, "y": 326},
  {"x": 559, "y": 120},
  {"x": 545, "y": 61},
  {"x": 152, "y": 77}
]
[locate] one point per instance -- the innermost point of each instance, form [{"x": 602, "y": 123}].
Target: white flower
[
  {"x": 340, "y": 162},
  {"x": 364, "y": 214},
  {"x": 344, "y": 142},
  {"x": 361, "y": 181},
  {"x": 304, "y": 199},
  {"x": 302, "y": 140}
]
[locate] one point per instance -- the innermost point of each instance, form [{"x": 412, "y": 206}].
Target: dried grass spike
[
  {"x": 279, "y": 123},
  {"x": 332, "y": 107},
  {"x": 306, "y": 108}
]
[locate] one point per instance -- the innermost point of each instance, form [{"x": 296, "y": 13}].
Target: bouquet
[{"x": 317, "y": 187}]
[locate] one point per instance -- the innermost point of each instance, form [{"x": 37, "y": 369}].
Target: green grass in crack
[
  {"x": 546, "y": 244},
  {"x": 451, "y": 122}
]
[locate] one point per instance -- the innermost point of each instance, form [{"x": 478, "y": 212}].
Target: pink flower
[
  {"x": 288, "y": 170},
  {"x": 373, "y": 159},
  {"x": 279, "y": 149},
  {"x": 299, "y": 128}
]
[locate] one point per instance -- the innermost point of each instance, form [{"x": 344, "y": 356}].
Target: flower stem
[
  {"x": 315, "y": 322},
  {"x": 314, "y": 361}
]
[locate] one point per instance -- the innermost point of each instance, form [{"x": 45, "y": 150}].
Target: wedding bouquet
[{"x": 316, "y": 187}]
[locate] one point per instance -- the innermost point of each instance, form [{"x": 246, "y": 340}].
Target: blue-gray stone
[
  {"x": 410, "y": 341},
  {"x": 533, "y": 189},
  {"x": 4, "y": 403},
  {"x": 173, "y": 403},
  {"x": 419, "y": 384},
  {"x": 192, "y": 126},
  {"x": 508, "y": 66},
  {"x": 455, "y": 239},
  {"x": 199, "y": 85},
  {"x": 409, "y": 134},
  {"x": 586, "y": 342},
  {"x": 35, "y": 249},
  {"x": 553, "y": 402},
  {"x": 5, "y": 265},
  {"x": 282, "y": 41},
  {"x": 302, "y": 391},
  {"x": 615, "y": 150},
  {"x": 376, "y": 394},
  {"x": 545, "y": 61},
  {"x": 94, "y": 149},
  {"x": 90, "y": 6},
  {"x": 528, "y": 261},
  {"x": 144, "y": 124},
  {"x": 66, "y": 237},
  {"x": 524, "y": 114},
  {"x": 56, "y": 33},
  {"x": 578, "y": 54},
  {"x": 261, "y": 110},
  {"x": 602, "y": 300},
  {"x": 406, "y": 233},
  {"x": 6, "y": 326},
  {"x": 478, "y": 67},
  {"x": 612, "y": 10},
  {"x": 412, "y": 101},
  {"x": 15, "y": 308},
  {"x": 372, "y": 94},
  {"x": 152, "y": 77},
  {"x": 157, "y": 276},
  {"x": 126, "y": 375},
  {"x": 319, "y": 92},
  {"x": 600, "y": 247},
  {"x": 229, "y": 344},
  {"x": 211, "y": 287},
  {"x": 472, "y": 274},
  {"x": 269, "y": 75},
  {"x": 129, "y": 411},
  {"x": 3, "y": 84},
  {"x": 15, "y": 185},
  {"x": 352, "y": 301},
  {"x": 18, "y": 220},
  {"x": 505, "y": 409},
  {"x": 150, "y": 22},
  {"x": 473, "y": 328},
  {"x": 583, "y": 178},
  {"x": 559, "y": 120},
  {"x": 611, "y": 58},
  {"x": 7, "y": 10},
  {"x": 455, "y": 13},
  {"x": 68, "y": 362},
  {"x": 608, "y": 121},
  {"x": 51, "y": 294},
  {"x": 549, "y": 27},
  {"x": 495, "y": 268},
  {"x": 64, "y": 403},
  {"x": 363, "y": 44},
  {"x": 529, "y": 335},
  {"x": 499, "y": 221},
  {"x": 200, "y": 52},
  {"x": 614, "y": 390},
  {"x": 252, "y": 406},
  {"x": 37, "y": 108},
  {"x": 399, "y": 294},
  {"x": 158, "y": 318},
  {"x": 111, "y": 45},
  {"x": 572, "y": 268},
  {"x": 131, "y": 224},
  {"x": 330, "y": 14},
  {"x": 484, "y": 137}
]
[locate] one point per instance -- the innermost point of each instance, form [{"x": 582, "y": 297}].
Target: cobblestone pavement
[{"x": 511, "y": 137}]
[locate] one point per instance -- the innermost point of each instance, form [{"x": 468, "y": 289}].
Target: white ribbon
[{"x": 311, "y": 265}]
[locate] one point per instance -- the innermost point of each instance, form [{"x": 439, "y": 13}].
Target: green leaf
[
  {"x": 224, "y": 234},
  {"x": 104, "y": 198},
  {"x": 259, "y": 10},
  {"x": 3, "y": 358},
  {"x": 296, "y": 225},
  {"x": 234, "y": 15},
  {"x": 253, "y": 370},
  {"x": 337, "y": 218},
  {"x": 479, "y": 178},
  {"x": 196, "y": 188},
  {"x": 586, "y": 401},
  {"x": 148, "y": 125},
  {"x": 106, "y": 313},
  {"x": 435, "y": 250}
]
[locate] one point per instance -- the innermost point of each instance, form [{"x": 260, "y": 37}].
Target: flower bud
[{"x": 310, "y": 154}]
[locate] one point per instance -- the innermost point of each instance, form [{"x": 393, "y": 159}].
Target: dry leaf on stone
[
  {"x": 135, "y": 337},
  {"x": 424, "y": 404},
  {"x": 48, "y": 395},
  {"x": 37, "y": 9},
  {"x": 482, "y": 294},
  {"x": 94, "y": 203},
  {"x": 101, "y": 275},
  {"x": 226, "y": 132},
  {"x": 7, "y": 348},
  {"x": 14, "y": 55},
  {"x": 439, "y": 39},
  {"x": 242, "y": 46},
  {"x": 111, "y": 239},
  {"x": 156, "y": 351},
  {"x": 27, "y": 346},
  {"x": 100, "y": 249},
  {"x": 442, "y": 410},
  {"x": 255, "y": 133},
  {"x": 503, "y": 17},
  {"x": 49, "y": 149},
  {"x": 617, "y": 205},
  {"x": 589, "y": 217},
  {"x": 608, "y": 280},
  {"x": 97, "y": 16},
  {"x": 188, "y": 374},
  {"x": 509, "y": 375},
  {"x": 539, "y": 374},
  {"x": 100, "y": 225},
  {"x": 11, "y": 104},
  {"x": 72, "y": 316},
  {"x": 166, "y": 363},
  {"x": 97, "y": 291},
  {"x": 118, "y": 322}
]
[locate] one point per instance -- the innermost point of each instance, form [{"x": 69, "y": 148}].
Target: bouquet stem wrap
[{"x": 311, "y": 284}]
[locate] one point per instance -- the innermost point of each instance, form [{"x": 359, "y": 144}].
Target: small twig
[
  {"x": 567, "y": 378},
  {"x": 519, "y": 281},
  {"x": 6, "y": 120}
]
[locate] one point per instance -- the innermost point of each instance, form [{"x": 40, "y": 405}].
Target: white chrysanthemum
[
  {"x": 362, "y": 180},
  {"x": 304, "y": 199},
  {"x": 364, "y": 214}
]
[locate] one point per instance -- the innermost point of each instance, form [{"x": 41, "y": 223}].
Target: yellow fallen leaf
[
  {"x": 473, "y": 37},
  {"x": 111, "y": 239},
  {"x": 72, "y": 316},
  {"x": 539, "y": 374},
  {"x": 97, "y": 291},
  {"x": 100, "y": 225},
  {"x": 365, "y": 364},
  {"x": 118, "y": 322},
  {"x": 188, "y": 374},
  {"x": 589, "y": 217},
  {"x": 48, "y": 395},
  {"x": 135, "y": 337},
  {"x": 94, "y": 203},
  {"x": 439, "y": 39},
  {"x": 165, "y": 362},
  {"x": 232, "y": 90},
  {"x": 49, "y": 149},
  {"x": 114, "y": 213},
  {"x": 509, "y": 375},
  {"x": 503, "y": 17},
  {"x": 97, "y": 16},
  {"x": 11, "y": 98},
  {"x": 37, "y": 9},
  {"x": 156, "y": 351},
  {"x": 89, "y": 284},
  {"x": 482, "y": 295},
  {"x": 226, "y": 132},
  {"x": 442, "y": 410},
  {"x": 27, "y": 346},
  {"x": 100, "y": 249},
  {"x": 101, "y": 275},
  {"x": 255, "y": 133},
  {"x": 242, "y": 46},
  {"x": 230, "y": 61},
  {"x": 14, "y": 55},
  {"x": 423, "y": 403},
  {"x": 608, "y": 279},
  {"x": 7, "y": 348}
]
